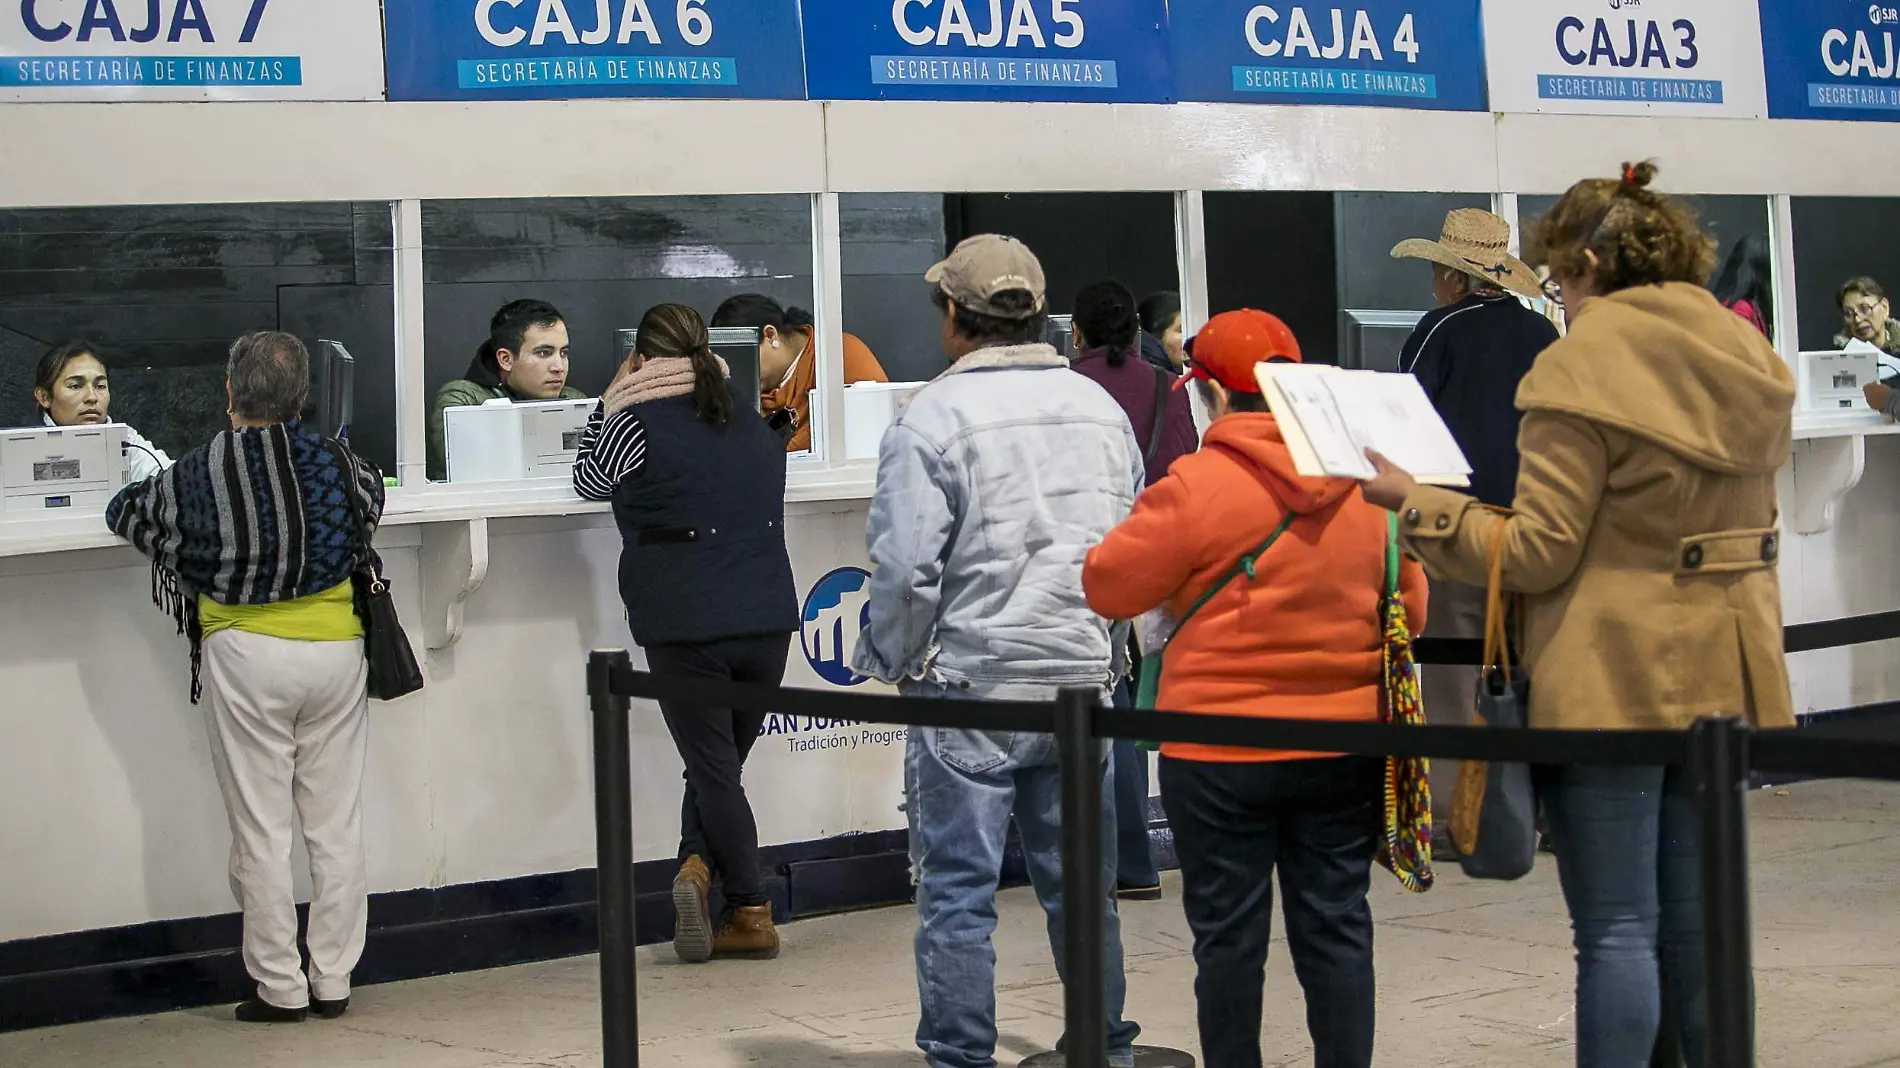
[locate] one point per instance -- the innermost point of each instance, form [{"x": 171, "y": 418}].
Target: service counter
[
  {"x": 114, "y": 818},
  {"x": 113, "y": 814}
]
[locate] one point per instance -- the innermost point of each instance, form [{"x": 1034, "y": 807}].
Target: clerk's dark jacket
[
  {"x": 701, "y": 511},
  {"x": 1470, "y": 357}
]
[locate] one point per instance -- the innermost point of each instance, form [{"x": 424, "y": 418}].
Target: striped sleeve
[{"x": 611, "y": 449}]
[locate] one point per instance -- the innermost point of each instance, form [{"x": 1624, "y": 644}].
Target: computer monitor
[
  {"x": 334, "y": 393},
  {"x": 1372, "y": 339},
  {"x": 1060, "y": 332},
  {"x": 737, "y": 345}
]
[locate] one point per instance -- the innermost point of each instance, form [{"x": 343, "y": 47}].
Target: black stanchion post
[
  {"x": 1084, "y": 898},
  {"x": 1718, "y": 755},
  {"x": 613, "y": 846}
]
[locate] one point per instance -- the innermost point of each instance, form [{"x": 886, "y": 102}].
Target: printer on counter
[
  {"x": 43, "y": 468},
  {"x": 506, "y": 440}
]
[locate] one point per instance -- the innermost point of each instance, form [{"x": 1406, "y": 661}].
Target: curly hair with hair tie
[{"x": 1639, "y": 236}]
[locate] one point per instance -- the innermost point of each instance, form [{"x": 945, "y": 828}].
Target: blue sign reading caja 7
[
  {"x": 1832, "y": 59},
  {"x": 1092, "y": 50},
  {"x": 542, "y": 49},
  {"x": 1386, "y": 53}
]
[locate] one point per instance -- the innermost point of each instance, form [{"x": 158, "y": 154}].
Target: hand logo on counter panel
[{"x": 836, "y": 610}]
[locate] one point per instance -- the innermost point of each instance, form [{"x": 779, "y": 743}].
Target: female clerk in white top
[{"x": 71, "y": 390}]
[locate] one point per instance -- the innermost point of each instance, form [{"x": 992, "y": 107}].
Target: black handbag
[{"x": 393, "y": 671}]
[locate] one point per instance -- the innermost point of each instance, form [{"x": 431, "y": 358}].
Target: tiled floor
[{"x": 1471, "y": 974}]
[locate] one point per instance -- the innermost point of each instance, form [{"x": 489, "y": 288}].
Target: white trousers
[{"x": 289, "y": 733}]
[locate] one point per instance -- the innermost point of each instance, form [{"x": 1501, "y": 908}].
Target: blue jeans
[
  {"x": 961, "y": 788},
  {"x": 1628, "y": 859}
]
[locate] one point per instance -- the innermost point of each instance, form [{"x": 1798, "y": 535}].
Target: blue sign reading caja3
[
  {"x": 539, "y": 49},
  {"x": 1092, "y": 50},
  {"x": 1389, "y": 53},
  {"x": 1832, "y": 59}
]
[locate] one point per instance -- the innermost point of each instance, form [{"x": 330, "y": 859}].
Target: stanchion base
[{"x": 1145, "y": 1057}]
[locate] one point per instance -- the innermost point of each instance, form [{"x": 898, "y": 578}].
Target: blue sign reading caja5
[
  {"x": 1387, "y": 53},
  {"x": 539, "y": 49},
  {"x": 1095, "y": 50},
  {"x": 1832, "y": 59}
]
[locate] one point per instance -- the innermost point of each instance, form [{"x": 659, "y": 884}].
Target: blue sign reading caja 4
[
  {"x": 1385, "y": 53},
  {"x": 541, "y": 49},
  {"x": 1090, "y": 50},
  {"x": 1832, "y": 59}
]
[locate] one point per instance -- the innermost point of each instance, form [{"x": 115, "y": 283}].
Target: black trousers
[
  {"x": 716, "y": 822},
  {"x": 1317, "y": 824}
]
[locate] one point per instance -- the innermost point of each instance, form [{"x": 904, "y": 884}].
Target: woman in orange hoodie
[{"x": 1299, "y": 639}]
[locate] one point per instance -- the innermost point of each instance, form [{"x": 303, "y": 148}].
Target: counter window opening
[
  {"x": 1846, "y": 266},
  {"x": 529, "y": 310},
  {"x": 122, "y": 318}
]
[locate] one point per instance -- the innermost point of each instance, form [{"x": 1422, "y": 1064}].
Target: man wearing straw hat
[{"x": 1469, "y": 355}]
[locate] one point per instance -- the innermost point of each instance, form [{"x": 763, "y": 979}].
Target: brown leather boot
[
  {"x": 747, "y": 935},
  {"x": 692, "y": 925}
]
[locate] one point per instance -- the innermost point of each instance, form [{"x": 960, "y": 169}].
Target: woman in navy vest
[{"x": 697, "y": 483}]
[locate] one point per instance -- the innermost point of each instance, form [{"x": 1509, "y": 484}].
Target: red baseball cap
[{"x": 1231, "y": 343}]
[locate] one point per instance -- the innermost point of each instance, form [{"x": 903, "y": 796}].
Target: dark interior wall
[
  {"x": 888, "y": 241},
  {"x": 1727, "y": 218},
  {"x": 1837, "y": 238},
  {"x": 603, "y": 262},
  {"x": 1079, "y": 237},
  {"x": 1367, "y": 225},
  {"x": 1277, "y": 251},
  {"x": 163, "y": 291}
]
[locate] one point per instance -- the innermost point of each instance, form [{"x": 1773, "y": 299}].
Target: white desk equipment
[
  {"x": 503, "y": 440},
  {"x": 1831, "y": 381},
  {"x": 869, "y": 408},
  {"x": 44, "y": 468}
]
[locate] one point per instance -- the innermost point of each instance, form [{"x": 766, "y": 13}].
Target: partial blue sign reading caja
[
  {"x": 1077, "y": 50},
  {"x": 1832, "y": 59},
  {"x": 541, "y": 49}
]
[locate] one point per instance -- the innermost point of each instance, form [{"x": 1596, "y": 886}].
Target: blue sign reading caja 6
[
  {"x": 1832, "y": 59},
  {"x": 1388, "y": 53},
  {"x": 1097, "y": 50},
  {"x": 540, "y": 49}
]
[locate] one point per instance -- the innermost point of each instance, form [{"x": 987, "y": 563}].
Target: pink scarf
[{"x": 657, "y": 379}]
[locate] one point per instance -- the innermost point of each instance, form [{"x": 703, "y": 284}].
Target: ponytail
[
  {"x": 710, "y": 393},
  {"x": 675, "y": 331}
]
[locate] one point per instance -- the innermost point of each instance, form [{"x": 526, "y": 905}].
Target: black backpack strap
[{"x": 1164, "y": 385}]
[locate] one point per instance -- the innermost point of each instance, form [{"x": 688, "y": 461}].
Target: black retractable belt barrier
[
  {"x": 1718, "y": 755},
  {"x": 613, "y": 847},
  {"x": 1084, "y": 898}
]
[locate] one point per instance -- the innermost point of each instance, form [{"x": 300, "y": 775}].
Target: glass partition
[
  {"x": 1323, "y": 263},
  {"x": 1841, "y": 244},
  {"x": 159, "y": 293},
  {"x": 601, "y": 263}
]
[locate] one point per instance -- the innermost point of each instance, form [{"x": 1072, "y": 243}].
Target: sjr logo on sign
[
  {"x": 52, "y": 20},
  {"x": 954, "y": 25},
  {"x": 1652, "y": 52},
  {"x": 836, "y": 610},
  {"x": 1301, "y": 40},
  {"x": 551, "y": 19}
]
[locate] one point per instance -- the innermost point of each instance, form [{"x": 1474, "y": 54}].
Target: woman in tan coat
[{"x": 1643, "y": 535}]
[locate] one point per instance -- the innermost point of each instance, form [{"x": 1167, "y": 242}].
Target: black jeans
[
  {"x": 716, "y": 821},
  {"x": 1318, "y": 823}
]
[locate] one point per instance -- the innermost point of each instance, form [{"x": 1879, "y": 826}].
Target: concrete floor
[{"x": 1471, "y": 974}]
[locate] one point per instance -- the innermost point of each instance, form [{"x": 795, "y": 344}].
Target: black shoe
[
  {"x": 256, "y": 1011},
  {"x": 1139, "y": 893},
  {"x": 329, "y": 1010}
]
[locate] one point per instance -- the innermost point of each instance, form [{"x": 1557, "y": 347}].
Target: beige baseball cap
[{"x": 982, "y": 266}]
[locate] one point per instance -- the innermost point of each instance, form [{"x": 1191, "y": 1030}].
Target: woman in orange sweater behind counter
[{"x": 1300, "y": 638}]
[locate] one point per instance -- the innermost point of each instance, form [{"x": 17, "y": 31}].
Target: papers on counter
[{"x": 1330, "y": 416}]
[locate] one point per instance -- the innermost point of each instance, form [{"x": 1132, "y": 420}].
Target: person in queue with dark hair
[
  {"x": 1107, "y": 332},
  {"x": 1643, "y": 538},
  {"x": 992, "y": 485},
  {"x": 699, "y": 497},
  {"x": 71, "y": 388},
  {"x": 254, "y": 539},
  {"x": 1745, "y": 285},
  {"x": 788, "y": 358},
  {"x": 1161, "y": 337},
  {"x": 524, "y": 359}
]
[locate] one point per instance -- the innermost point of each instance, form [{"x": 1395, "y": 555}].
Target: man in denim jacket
[{"x": 992, "y": 485}]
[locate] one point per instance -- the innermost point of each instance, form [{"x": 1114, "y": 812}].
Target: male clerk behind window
[
  {"x": 524, "y": 359},
  {"x": 1469, "y": 354}
]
